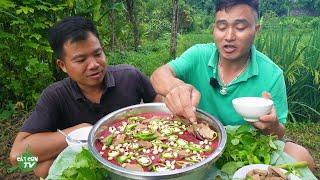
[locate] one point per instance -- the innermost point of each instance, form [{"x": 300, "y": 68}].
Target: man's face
[
  {"x": 234, "y": 31},
  {"x": 84, "y": 61}
]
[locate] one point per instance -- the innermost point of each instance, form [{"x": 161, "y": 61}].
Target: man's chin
[{"x": 230, "y": 57}]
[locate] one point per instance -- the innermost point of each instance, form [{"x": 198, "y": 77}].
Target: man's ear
[
  {"x": 62, "y": 65},
  {"x": 257, "y": 27}
]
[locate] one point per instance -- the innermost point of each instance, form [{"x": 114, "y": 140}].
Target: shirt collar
[
  {"x": 251, "y": 70},
  {"x": 213, "y": 62},
  {"x": 108, "y": 82}
]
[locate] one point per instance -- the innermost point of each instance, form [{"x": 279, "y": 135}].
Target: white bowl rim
[
  {"x": 241, "y": 173},
  {"x": 266, "y": 102},
  {"x": 86, "y": 129}
]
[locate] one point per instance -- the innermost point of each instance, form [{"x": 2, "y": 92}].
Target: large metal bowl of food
[{"x": 146, "y": 142}]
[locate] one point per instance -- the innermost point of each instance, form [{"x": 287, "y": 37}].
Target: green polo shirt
[{"x": 199, "y": 63}]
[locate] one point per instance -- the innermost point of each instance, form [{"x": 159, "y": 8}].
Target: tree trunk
[
  {"x": 112, "y": 26},
  {"x": 174, "y": 28},
  {"x": 133, "y": 21}
]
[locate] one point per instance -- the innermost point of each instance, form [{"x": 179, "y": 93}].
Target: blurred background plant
[{"x": 138, "y": 33}]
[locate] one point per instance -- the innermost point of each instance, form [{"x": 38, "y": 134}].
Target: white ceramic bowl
[
  {"x": 251, "y": 108},
  {"x": 79, "y": 134},
  {"x": 241, "y": 173}
]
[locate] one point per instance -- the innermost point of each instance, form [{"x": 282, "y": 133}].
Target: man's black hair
[
  {"x": 227, "y": 4},
  {"x": 73, "y": 28}
]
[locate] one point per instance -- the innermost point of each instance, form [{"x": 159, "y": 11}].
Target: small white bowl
[
  {"x": 251, "y": 108},
  {"x": 241, "y": 173},
  {"x": 79, "y": 134}
]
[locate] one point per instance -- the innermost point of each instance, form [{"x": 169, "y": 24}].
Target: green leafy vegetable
[
  {"x": 130, "y": 127},
  {"x": 145, "y": 135},
  {"x": 231, "y": 167},
  {"x": 108, "y": 140},
  {"x": 245, "y": 146},
  {"x": 84, "y": 167},
  {"x": 293, "y": 167},
  {"x": 135, "y": 119}
]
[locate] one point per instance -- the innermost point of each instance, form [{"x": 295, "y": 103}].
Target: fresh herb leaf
[
  {"x": 245, "y": 146},
  {"x": 231, "y": 167},
  {"x": 84, "y": 167}
]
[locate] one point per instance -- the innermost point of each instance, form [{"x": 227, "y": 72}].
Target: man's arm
[
  {"x": 164, "y": 79},
  {"x": 158, "y": 98},
  {"x": 180, "y": 98},
  {"x": 45, "y": 145}
]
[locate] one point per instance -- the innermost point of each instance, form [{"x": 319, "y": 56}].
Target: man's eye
[
  {"x": 241, "y": 27},
  {"x": 98, "y": 54},
  {"x": 222, "y": 27},
  {"x": 80, "y": 60}
]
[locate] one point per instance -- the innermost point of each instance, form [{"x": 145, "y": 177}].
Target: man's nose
[
  {"x": 230, "y": 36},
  {"x": 93, "y": 63}
]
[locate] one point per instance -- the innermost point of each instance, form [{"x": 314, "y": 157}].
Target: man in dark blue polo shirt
[{"x": 91, "y": 91}]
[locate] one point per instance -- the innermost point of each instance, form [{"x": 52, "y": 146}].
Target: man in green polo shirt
[{"x": 228, "y": 69}]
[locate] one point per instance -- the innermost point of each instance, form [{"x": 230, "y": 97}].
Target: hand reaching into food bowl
[{"x": 182, "y": 100}]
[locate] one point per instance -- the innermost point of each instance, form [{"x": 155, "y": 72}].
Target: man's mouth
[
  {"x": 229, "y": 48},
  {"x": 96, "y": 74}
]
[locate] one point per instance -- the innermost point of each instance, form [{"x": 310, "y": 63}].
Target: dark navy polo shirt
[{"x": 63, "y": 105}]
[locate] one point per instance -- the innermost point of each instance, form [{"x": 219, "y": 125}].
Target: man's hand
[
  {"x": 180, "y": 98},
  {"x": 269, "y": 124},
  {"x": 183, "y": 100},
  {"x": 45, "y": 145}
]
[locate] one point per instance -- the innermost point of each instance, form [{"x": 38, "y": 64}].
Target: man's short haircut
[
  {"x": 73, "y": 28},
  {"x": 227, "y": 4}
]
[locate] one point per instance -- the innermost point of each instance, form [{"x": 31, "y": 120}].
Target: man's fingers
[
  {"x": 182, "y": 101},
  {"x": 271, "y": 117},
  {"x": 169, "y": 103},
  {"x": 188, "y": 109},
  {"x": 266, "y": 95},
  {"x": 178, "y": 101},
  {"x": 259, "y": 125},
  {"x": 195, "y": 98}
]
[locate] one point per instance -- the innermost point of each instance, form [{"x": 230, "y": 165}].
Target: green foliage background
[{"x": 28, "y": 66}]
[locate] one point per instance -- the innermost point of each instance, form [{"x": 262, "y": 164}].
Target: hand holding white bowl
[{"x": 252, "y": 108}]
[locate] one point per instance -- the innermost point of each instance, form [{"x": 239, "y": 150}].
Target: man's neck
[
  {"x": 233, "y": 65},
  {"x": 92, "y": 93},
  {"x": 229, "y": 70}
]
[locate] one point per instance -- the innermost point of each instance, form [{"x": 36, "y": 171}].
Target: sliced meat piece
[
  {"x": 205, "y": 131},
  {"x": 135, "y": 167},
  {"x": 183, "y": 153},
  {"x": 260, "y": 172},
  {"x": 146, "y": 121},
  {"x": 190, "y": 129},
  {"x": 277, "y": 171},
  {"x": 256, "y": 177},
  {"x": 140, "y": 127},
  {"x": 274, "y": 178},
  {"x": 145, "y": 144},
  {"x": 159, "y": 136},
  {"x": 119, "y": 139},
  {"x": 249, "y": 174},
  {"x": 182, "y": 120}
]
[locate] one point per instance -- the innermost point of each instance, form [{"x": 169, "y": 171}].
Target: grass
[{"x": 307, "y": 135}]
